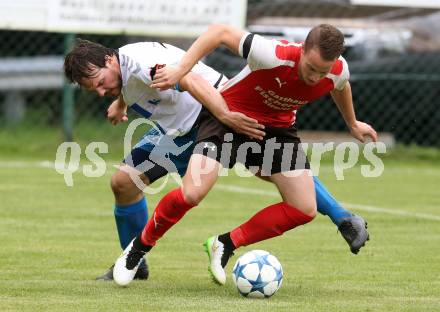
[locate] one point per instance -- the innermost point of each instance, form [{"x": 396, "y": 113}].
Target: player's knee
[
  {"x": 307, "y": 207},
  {"x": 192, "y": 196},
  {"x": 122, "y": 184},
  {"x": 310, "y": 209}
]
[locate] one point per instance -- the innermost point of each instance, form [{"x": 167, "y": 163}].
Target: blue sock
[
  {"x": 130, "y": 220},
  {"x": 327, "y": 205}
]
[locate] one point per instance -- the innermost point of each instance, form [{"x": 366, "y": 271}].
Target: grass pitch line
[
  {"x": 247, "y": 190},
  {"x": 435, "y": 171}
]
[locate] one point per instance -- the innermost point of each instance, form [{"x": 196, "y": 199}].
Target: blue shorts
[{"x": 158, "y": 154}]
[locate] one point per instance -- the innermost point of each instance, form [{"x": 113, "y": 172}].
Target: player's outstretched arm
[
  {"x": 344, "y": 101},
  {"x": 215, "y": 36},
  {"x": 206, "y": 94}
]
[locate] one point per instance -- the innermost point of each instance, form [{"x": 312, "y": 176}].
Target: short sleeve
[
  {"x": 143, "y": 60},
  {"x": 263, "y": 53},
  {"x": 343, "y": 77}
]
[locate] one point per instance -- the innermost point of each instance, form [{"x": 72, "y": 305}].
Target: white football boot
[
  {"x": 218, "y": 258},
  {"x": 127, "y": 265}
]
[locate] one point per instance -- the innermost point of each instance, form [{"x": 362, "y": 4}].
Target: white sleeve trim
[
  {"x": 344, "y": 77},
  {"x": 240, "y": 46}
]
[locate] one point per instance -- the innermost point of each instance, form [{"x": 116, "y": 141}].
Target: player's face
[
  {"x": 312, "y": 68},
  {"x": 105, "y": 81}
]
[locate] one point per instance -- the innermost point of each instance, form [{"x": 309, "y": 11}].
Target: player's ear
[{"x": 108, "y": 60}]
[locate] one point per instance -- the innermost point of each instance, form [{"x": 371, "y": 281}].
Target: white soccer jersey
[{"x": 175, "y": 112}]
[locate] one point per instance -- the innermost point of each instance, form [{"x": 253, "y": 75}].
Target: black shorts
[{"x": 279, "y": 151}]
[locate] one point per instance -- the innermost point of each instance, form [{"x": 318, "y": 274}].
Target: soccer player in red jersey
[{"x": 279, "y": 79}]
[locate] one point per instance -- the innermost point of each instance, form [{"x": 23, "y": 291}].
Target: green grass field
[{"x": 56, "y": 239}]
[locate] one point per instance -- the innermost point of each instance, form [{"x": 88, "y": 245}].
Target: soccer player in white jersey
[
  {"x": 127, "y": 73},
  {"x": 279, "y": 78}
]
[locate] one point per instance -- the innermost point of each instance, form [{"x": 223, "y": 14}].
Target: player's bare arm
[
  {"x": 206, "y": 94},
  {"x": 215, "y": 36},
  {"x": 117, "y": 111},
  {"x": 344, "y": 101}
]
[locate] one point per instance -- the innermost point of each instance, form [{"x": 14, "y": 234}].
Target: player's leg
[
  {"x": 153, "y": 157},
  {"x": 352, "y": 227},
  {"x": 130, "y": 211},
  {"x": 139, "y": 171},
  {"x": 130, "y": 208},
  {"x": 297, "y": 208},
  {"x": 201, "y": 175},
  {"x": 326, "y": 203},
  {"x": 196, "y": 183}
]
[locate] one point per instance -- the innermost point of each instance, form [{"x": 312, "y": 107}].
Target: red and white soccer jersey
[{"x": 269, "y": 89}]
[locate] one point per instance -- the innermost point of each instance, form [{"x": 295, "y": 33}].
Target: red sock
[
  {"x": 171, "y": 208},
  {"x": 267, "y": 223}
]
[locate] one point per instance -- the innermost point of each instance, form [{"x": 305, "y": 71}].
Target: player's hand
[
  {"x": 245, "y": 125},
  {"x": 360, "y": 130},
  {"x": 117, "y": 113},
  {"x": 167, "y": 77}
]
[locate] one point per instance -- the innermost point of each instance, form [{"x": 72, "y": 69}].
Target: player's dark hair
[
  {"x": 85, "y": 54},
  {"x": 328, "y": 39}
]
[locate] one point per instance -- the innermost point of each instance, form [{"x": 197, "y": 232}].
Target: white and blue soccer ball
[{"x": 257, "y": 274}]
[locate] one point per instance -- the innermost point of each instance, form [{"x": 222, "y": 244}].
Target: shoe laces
[{"x": 133, "y": 258}]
